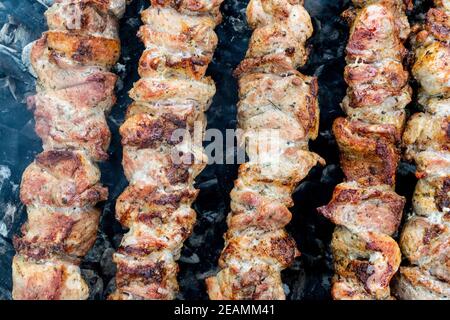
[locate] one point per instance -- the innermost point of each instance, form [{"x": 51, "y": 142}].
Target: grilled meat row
[
  {"x": 365, "y": 208},
  {"x": 425, "y": 239},
  {"x": 278, "y": 114},
  {"x": 162, "y": 154},
  {"x": 75, "y": 90}
]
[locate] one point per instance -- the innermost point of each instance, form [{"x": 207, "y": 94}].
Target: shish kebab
[
  {"x": 365, "y": 208},
  {"x": 425, "y": 239},
  {"x": 75, "y": 89},
  {"x": 274, "y": 96},
  {"x": 172, "y": 95}
]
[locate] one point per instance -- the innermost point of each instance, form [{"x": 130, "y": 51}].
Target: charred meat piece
[
  {"x": 377, "y": 208},
  {"x": 368, "y": 152},
  {"x": 58, "y": 230},
  {"x": 62, "y": 179},
  {"x": 246, "y": 282},
  {"x": 53, "y": 278},
  {"x": 365, "y": 263},
  {"x": 149, "y": 277}
]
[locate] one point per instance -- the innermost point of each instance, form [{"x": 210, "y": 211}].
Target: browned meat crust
[
  {"x": 62, "y": 186},
  {"x": 273, "y": 95},
  {"x": 366, "y": 208},
  {"x": 368, "y": 152},
  {"x": 52, "y": 278}
]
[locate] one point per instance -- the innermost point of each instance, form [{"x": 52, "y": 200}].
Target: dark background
[{"x": 23, "y": 21}]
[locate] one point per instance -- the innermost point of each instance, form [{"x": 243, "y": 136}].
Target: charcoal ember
[
  {"x": 5, "y": 174},
  {"x": 108, "y": 267},
  {"x": 30, "y": 13},
  {"x": 207, "y": 184},
  {"x": 110, "y": 288},
  {"x": 13, "y": 114},
  {"x": 46, "y": 3},
  {"x": 10, "y": 208},
  {"x": 6, "y": 254},
  {"x": 100, "y": 248},
  {"x": 116, "y": 240},
  {"x": 192, "y": 288},
  {"x": 196, "y": 240},
  {"x": 26, "y": 58},
  {"x": 294, "y": 281},
  {"x": 95, "y": 283},
  {"x": 331, "y": 175},
  {"x": 11, "y": 64},
  {"x": 406, "y": 169},
  {"x": 5, "y": 294},
  {"x": 189, "y": 257},
  {"x": 16, "y": 152},
  {"x": 8, "y": 216},
  {"x": 15, "y": 35},
  {"x": 15, "y": 79}
]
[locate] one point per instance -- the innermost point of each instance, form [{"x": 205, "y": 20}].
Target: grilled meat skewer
[
  {"x": 425, "y": 239},
  {"x": 172, "y": 95},
  {"x": 366, "y": 209},
  {"x": 75, "y": 90},
  {"x": 278, "y": 108}
]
